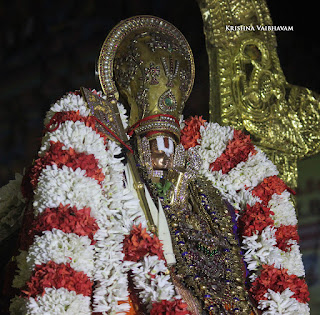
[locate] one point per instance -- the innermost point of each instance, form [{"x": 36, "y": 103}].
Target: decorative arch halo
[{"x": 123, "y": 29}]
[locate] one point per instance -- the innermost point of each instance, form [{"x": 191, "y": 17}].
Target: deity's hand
[{"x": 185, "y": 168}]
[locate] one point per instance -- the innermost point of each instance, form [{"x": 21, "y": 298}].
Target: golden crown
[{"x": 150, "y": 63}]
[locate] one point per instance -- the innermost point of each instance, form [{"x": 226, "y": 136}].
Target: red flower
[
  {"x": 56, "y": 155},
  {"x": 53, "y": 275},
  {"x": 285, "y": 233},
  {"x": 139, "y": 243},
  {"x": 278, "y": 280},
  {"x": 237, "y": 150},
  {"x": 68, "y": 220},
  {"x": 255, "y": 218},
  {"x": 191, "y": 132},
  {"x": 270, "y": 185},
  {"x": 175, "y": 307}
]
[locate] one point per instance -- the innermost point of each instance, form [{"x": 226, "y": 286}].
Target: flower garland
[
  {"x": 139, "y": 243},
  {"x": 149, "y": 273},
  {"x": 89, "y": 228},
  {"x": 86, "y": 227},
  {"x": 266, "y": 215},
  {"x": 69, "y": 158}
]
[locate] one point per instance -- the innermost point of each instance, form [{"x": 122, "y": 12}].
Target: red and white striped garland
[
  {"x": 85, "y": 215},
  {"x": 82, "y": 213},
  {"x": 267, "y": 221}
]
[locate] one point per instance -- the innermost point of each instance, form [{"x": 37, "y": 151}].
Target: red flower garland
[
  {"x": 53, "y": 275},
  {"x": 191, "y": 132},
  {"x": 70, "y": 158},
  {"x": 270, "y": 185},
  {"x": 139, "y": 243},
  {"x": 255, "y": 218},
  {"x": 175, "y": 307},
  {"x": 68, "y": 220},
  {"x": 285, "y": 233},
  {"x": 278, "y": 280},
  {"x": 238, "y": 150}
]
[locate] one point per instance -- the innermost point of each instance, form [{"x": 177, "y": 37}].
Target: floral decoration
[
  {"x": 140, "y": 243},
  {"x": 58, "y": 276},
  {"x": 267, "y": 222},
  {"x": 269, "y": 186},
  {"x": 85, "y": 226},
  {"x": 89, "y": 227},
  {"x": 237, "y": 151},
  {"x": 190, "y": 134},
  {"x": 285, "y": 234},
  {"x": 255, "y": 218},
  {"x": 67, "y": 219},
  {"x": 56, "y": 155},
  {"x": 278, "y": 280},
  {"x": 176, "y": 307}
]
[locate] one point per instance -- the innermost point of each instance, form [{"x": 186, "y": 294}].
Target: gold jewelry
[{"x": 149, "y": 62}]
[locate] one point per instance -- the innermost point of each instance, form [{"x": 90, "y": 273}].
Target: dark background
[{"x": 48, "y": 48}]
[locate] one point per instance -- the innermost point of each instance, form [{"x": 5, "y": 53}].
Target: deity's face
[{"x": 162, "y": 151}]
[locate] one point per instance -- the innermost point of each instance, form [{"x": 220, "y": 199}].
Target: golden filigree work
[
  {"x": 248, "y": 89},
  {"x": 150, "y": 64}
]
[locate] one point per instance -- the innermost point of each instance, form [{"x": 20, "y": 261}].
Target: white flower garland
[
  {"x": 110, "y": 269},
  {"x": 282, "y": 303},
  {"x": 78, "y": 136},
  {"x": 59, "y": 247},
  {"x": 150, "y": 277},
  {"x": 283, "y": 208},
  {"x": 54, "y": 301},
  {"x": 68, "y": 187},
  {"x": 69, "y": 102}
]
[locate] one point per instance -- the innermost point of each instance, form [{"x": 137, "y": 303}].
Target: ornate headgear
[{"x": 149, "y": 62}]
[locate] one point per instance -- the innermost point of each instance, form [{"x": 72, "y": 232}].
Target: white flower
[
  {"x": 68, "y": 187},
  {"x": 123, "y": 115},
  {"x": 69, "y": 102},
  {"x": 237, "y": 184},
  {"x": 78, "y": 136},
  {"x": 260, "y": 249},
  {"x": 149, "y": 277},
  {"x": 59, "y": 247},
  {"x": 214, "y": 140},
  {"x": 282, "y": 303},
  {"x": 292, "y": 260},
  {"x": 247, "y": 175},
  {"x": 54, "y": 301},
  {"x": 283, "y": 208}
]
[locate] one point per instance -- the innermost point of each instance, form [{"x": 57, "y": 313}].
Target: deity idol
[{"x": 152, "y": 214}]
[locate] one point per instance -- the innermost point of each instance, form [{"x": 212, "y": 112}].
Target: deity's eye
[{"x": 167, "y": 102}]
